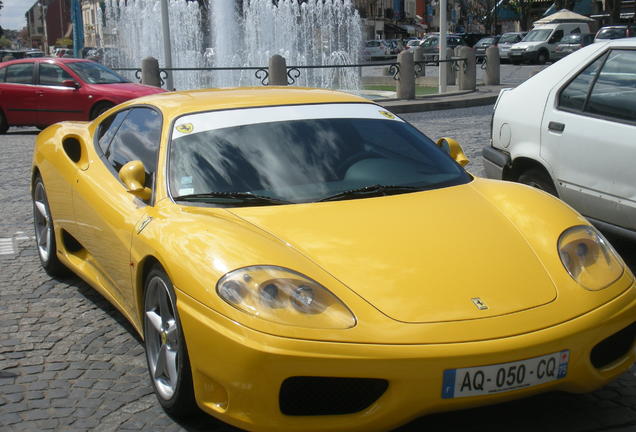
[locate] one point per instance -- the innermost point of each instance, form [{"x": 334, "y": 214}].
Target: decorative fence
[{"x": 462, "y": 66}]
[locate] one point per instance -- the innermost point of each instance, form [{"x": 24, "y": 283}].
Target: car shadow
[{"x": 197, "y": 422}]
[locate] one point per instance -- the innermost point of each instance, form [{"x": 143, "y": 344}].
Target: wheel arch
[
  {"x": 98, "y": 104},
  {"x": 143, "y": 268},
  {"x": 522, "y": 164}
]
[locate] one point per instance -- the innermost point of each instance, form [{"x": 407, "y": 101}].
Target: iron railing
[{"x": 261, "y": 73}]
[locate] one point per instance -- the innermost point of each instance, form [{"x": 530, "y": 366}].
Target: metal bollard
[
  {"x": 418, "y": 57},
  {"x": 277, "y": 70},
  {"x": 450, "y": 70},
  {"x": 492, "y": 66},
  {"x": 467, "y": 70},
  {"x": 150, "y": 72},
  {"x": 406, "y": 83}
]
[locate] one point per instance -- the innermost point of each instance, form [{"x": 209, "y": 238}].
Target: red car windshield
[{"x": 95, "y": 73}]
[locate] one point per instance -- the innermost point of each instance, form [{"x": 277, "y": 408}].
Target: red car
[{"x": 43, "y": 91}]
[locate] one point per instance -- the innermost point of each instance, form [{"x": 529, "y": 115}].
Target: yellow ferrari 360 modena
[{"x": 303, "y": 260}]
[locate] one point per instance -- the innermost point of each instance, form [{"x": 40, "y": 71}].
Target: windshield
[
  {"x": 571, "y": 39},
  {"x": 537, "y": 35},
  {"x": 95, "y": 73},
  {"x": 509, "y": 38},
  {"x": 611, "y": 33},
  {"x": 486, "y": 41},
  {"x": 303, "y": 154}
]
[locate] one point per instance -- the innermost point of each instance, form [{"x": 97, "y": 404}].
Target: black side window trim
[
  {"x": 583, "y": 111},
  {"x": 107, "y": 163}
]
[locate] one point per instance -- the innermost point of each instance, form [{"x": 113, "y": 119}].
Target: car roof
[
  {"x": 622, "y": 43},
  {"x": 174, "y": 104},
  {"x": 45, "y": 60}
]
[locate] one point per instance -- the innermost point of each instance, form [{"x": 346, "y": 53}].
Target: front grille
[
  {"x": 614, "y": 347},
  {"x": 307, "y": 396}
]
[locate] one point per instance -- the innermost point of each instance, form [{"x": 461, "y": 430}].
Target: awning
[{"x": 563, "y": 16}]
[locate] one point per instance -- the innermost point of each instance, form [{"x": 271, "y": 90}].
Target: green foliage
[{"x": 4, "y": 42}]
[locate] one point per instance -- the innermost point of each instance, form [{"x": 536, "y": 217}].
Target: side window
[
  {"x": 557, "y": 36},
  {"x": 3, "y": 72},
  {"x": 52, "y": 75},
  {"x": 614, "y": 92},
  {"x": 108, "y": 128},
  {"x": 20, "y": 73},
  {"x": 137, "y": 139},
  {"x": 573, "y": 96}
]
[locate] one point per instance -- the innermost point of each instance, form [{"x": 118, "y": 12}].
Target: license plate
[{"x": 504, "y": 377}]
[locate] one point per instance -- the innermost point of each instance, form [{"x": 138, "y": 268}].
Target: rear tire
[
  {"x": 45, "y": 232},
  {"x": 166, "y": 351},
  {"x": 99, "y": 109},
  {"x": 538, "y": 179},
  {"x": 4, "y": 125}
]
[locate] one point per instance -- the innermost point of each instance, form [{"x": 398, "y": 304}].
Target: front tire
[
  {"x": 99, "y": 109},
  {"x": 542, "y": 57},
  {"x": 538, "y": 179},
  {"x": 166, "y": 350},
  {"x": 45, "y": 232}
]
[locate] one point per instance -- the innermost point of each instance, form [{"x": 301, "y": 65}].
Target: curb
[{"x": 484, "y": 96}]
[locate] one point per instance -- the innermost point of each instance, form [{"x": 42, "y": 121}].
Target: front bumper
[
  {"x": 495, "y": 161},
  {"x": 523, "y": 56},
  {"x": 238, "y": 372}
]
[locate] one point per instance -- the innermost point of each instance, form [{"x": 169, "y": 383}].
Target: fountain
[{"x": 311, "y": 33}]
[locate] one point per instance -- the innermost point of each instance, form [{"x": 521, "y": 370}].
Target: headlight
[
  {"x": 285, "y": 297},
  {"x": 589, "y": 258}
]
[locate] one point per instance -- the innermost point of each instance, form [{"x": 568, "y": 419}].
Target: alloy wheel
[
  {"x": 162, "y": 338},
  {"x": 42, "y": 222}
]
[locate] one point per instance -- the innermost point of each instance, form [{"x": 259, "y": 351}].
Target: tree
[{"x": 483, "y": 11}]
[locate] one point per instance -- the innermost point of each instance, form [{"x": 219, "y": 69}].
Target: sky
[{"x": 12, "y": 14}]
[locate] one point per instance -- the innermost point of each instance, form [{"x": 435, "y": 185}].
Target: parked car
[
  {"x": 470, "y": 39},
  {"x": 305, "y": 260},
  {"x": 539, "y": 44},
  {"x": 413, "y": 43},
  {"x": 483, "y": 44},
  {"x": 430, "y": 45},
  {"x": 571, "y": 43},
  {"x": 615, "y": 32},
  {"x": 33, "y": 53},
  {"x": 61, "y": 52},
  {"x": 575, "y": 138},
  {"x": 506, "y": 41},
  {"x": 397, "y": 46},
  {"x": 43, "y": 91},
  {"x": 376, "y": 49}
]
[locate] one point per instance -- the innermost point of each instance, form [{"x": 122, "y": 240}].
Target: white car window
[
  {"x": 614, "y": 92},
  {"x": 573, "y": 96}
]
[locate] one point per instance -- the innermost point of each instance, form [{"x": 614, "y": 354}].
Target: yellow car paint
[{"x": 434, "y": 251}]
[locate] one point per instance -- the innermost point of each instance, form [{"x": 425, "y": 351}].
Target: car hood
[
  {"x": 128, "y": 90},
  {"x": 431, "y": 256},
  {"x": 527, "y": 44}
]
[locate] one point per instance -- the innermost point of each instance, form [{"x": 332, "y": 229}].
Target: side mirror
[
  {"x": 71, "y": 83},
  {"x": 453, "y": 149},
  {"x": 133, "y": 175}
]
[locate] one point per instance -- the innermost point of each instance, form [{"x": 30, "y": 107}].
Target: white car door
[{"x": 589, "y": 135}]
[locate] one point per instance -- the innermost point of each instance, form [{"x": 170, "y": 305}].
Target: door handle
[{"x": 556, "y": 126}]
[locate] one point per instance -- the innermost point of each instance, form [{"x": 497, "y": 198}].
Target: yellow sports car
[{"x": 305, "y": 260}]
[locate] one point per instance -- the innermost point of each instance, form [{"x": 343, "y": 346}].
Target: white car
[
  {"x": 376, "y": 49},
  {"x": 570, "y": 130}
]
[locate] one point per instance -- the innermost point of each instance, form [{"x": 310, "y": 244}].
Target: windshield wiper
[
  {"x": 371, "y": 191},
  {"x": 234, "y": 197}
]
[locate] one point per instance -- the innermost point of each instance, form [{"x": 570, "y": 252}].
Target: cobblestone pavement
[{"x": 69, "y": 361}]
